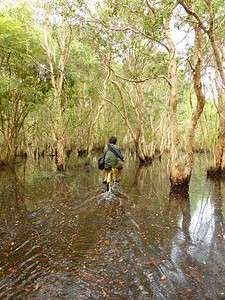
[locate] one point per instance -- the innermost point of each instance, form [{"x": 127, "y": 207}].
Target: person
[{"x": 111, "y": 160}]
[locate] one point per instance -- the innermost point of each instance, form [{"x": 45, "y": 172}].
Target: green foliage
[
  {"x": 21, "y": 81},
  {"x": 129, "y": 35}
]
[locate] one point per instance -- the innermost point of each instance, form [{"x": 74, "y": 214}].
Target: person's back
[{"x": 112, "y": 160}]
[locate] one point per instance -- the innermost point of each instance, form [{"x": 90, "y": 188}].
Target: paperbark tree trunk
[
  {"x": 190, "y": 133},
  {"x": 218, "y": 59},
  {"x": 219, "y": 153},
  {"x": 181, "y": 176},
  {"x": 57, "y": 84},
  {"x": 175, "y": 168},
  {"x": 56, "y": 115},
  {"x": 100, "y": 107}
]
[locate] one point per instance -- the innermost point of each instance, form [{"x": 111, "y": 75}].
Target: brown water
[{"x": 64, "y": 237}]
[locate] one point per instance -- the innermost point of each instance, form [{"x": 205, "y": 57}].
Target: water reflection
[
  {"x": 179, "y": 201},
  {"x": 64, "y": 237}
]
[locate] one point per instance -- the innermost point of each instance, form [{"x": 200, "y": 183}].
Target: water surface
[{"x": 62, "y": 236}]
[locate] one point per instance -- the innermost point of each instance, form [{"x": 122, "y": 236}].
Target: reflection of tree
[
  {"x": 140, "y": 175},
  {"x": 10, "y": 190},
  {"x": 200, "y": 262},
  {"x": 180, "y": 199},
  {"x": 217, "y": 248},
  {"x": 218, "y": 203}
]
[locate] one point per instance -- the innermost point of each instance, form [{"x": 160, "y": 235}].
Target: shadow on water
[{"x": 65, "y": 237}]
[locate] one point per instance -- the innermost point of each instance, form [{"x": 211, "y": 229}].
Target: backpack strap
[
  {"x": 115, "y": 151},
  {"x": 105, "y": 153}
]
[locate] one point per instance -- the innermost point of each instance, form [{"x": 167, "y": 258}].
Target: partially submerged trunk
[
  {"x": 56, "y": 116},
  {"x": 175, "y": 168},
  {"x": 218, "y": 55},
  {"x": 181, "y": 177},
  {"x": 219, "y": 152},
  {"x": 220, "y": 159},
  {"x": 190, "y": 133},
  {"x": 142, "y": 149}
]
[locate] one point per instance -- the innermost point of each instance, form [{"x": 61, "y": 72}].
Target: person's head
[{"x": 113, "y": 140}]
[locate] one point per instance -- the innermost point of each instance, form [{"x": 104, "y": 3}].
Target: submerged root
[
  {"x": 147, "y": 161},
  {"x": 215, "y": 172},
  {"x": 180, "y": 185}
]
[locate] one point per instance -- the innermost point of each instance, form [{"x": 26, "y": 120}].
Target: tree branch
[
  {"x": 164, "y": 77},
  {"x": 196, "y": 16}
]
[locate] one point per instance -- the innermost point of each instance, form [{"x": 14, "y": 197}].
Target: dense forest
[{"x": 73, "y": 73}]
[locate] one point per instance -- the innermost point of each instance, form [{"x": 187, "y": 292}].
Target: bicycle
[{"x": 111, "y": 179}]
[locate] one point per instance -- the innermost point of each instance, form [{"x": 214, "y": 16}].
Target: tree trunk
[
  {"x": 175, "y": 169},
  {"x": 141, "y": 146},
  {"x": 219, "y": 153},
  {"x": 56, "y": 110},
  {"x": 190, "y": 133},
  {"x": 217, "y": 56},
  {"x": 90, "y": 144},
  {"x": 58, "y": 131}
]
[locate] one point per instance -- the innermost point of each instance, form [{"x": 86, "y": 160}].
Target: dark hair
[{"x": 113, "y": 140}]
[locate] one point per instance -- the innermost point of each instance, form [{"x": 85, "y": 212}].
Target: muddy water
[{"x": 63, "y": 237}]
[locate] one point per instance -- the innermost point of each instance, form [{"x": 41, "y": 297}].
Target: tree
[
  {"x": 150, "y": 21},
  {"x": 55, "y": 26},
  {"x": 19, "y": 92},
  {"x": 209, "y": 16},
  {"x": 127, "y": 57},
  {"x": 58, "y": 35}
]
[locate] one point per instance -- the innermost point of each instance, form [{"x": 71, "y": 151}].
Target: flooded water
[{"x": 64, "y": 237}]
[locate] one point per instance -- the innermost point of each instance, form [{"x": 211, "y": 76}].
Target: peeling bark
[
  {"x": 190, "y": 133},
  {"x": 175, "y": 168},
  {"x": 219, "y": 153}
]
